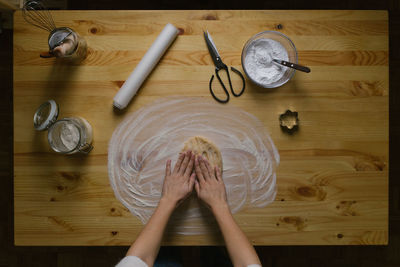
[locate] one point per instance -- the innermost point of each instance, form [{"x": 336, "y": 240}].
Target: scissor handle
[
  {"x": 224, "y": 67},
  {"x": 244, "y": 83},
  {"x": 223, "y": 87}
]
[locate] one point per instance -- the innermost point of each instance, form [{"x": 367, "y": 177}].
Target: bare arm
[
  {"x": 242, "y": 253},
  {"x": 211, "y": 189},
  {"x": 177, "y": 186}
]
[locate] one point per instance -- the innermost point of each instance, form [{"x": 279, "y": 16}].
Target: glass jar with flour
[{"x": 67, "y": 135}]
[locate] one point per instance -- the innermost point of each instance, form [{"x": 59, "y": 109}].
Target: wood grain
[
  {"x": 188, "y": 58},
  {"x": 333, "y": 176}
]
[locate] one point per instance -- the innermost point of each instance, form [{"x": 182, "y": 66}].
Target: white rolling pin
[{"x": 145, "y": 66}]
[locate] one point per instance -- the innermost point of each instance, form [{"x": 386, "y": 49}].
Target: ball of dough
[{"x": 201, "y": 146}]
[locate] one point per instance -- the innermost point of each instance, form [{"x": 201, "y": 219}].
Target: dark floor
[{"x": 271, "y": 256}]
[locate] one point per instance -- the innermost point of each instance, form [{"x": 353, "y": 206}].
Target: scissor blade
[
  {"x": 213, "y": 44},
  {"x": 211, "y": 48}
]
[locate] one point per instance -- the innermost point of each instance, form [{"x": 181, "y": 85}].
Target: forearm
[
  {"x": 241, "y": 251},
  {"x": 147, "y": 244}
]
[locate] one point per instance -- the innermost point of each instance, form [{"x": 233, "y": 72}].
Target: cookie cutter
[{"x": 289, "y": 121}]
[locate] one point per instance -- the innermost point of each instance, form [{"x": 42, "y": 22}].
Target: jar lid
[
  {"x": 57, "y": 36},
  {"x": 45, "y": 115}
]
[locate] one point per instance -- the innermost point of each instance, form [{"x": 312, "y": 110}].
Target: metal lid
[
  {"x": 45, "y": 115},
  {"x": 57, "y": 36}
]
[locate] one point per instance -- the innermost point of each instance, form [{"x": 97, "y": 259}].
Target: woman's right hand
[
  {"x": 209, "y": 185},
  {"x": 211, "y": 189}
]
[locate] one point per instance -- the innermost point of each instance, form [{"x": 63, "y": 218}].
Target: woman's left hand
[{"x": 179, "y": 184}]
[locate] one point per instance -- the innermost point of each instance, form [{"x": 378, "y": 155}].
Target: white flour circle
[{"x": 147, "y": 138}]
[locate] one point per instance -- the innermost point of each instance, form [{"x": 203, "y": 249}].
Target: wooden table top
[{"x": 333, "y": 176}]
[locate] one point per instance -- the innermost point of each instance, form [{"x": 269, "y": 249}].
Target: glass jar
[
  {"x": 67, "y": 135},
  {"x": 67, "y": 44}
]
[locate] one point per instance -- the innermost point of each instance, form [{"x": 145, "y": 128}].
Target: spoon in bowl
[{"x": 292, "y": 65}]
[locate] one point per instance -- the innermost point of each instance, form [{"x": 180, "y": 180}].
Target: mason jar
[
  {"x": 66, "y": 44},
  {"x": 67, "y": 135}
]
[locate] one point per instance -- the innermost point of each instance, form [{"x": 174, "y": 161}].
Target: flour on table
[{"x": 141, "y": 145}]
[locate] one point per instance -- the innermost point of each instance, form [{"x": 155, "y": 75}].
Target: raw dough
[{"x": 201, "y": 146}]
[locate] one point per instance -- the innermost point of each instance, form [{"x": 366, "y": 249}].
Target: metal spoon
[{"x": 292, "y": 65}]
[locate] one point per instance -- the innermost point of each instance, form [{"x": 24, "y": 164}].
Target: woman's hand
[
  {"x": 179, "y": 184},
  {"x": 209, "y": 184}
]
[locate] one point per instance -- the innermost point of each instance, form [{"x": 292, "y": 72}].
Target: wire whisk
[{"x": 36, "y": 13}]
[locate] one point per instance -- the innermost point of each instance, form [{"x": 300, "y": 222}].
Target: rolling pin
[{"x": 145, "y": 66}]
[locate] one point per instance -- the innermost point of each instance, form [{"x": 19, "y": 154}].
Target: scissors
[{"x": 219, "y": 65}]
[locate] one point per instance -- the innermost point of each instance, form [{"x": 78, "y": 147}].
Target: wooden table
[{"x": 333, "y": 176}]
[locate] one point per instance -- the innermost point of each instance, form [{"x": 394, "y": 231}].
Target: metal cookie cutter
[{"x": 289, "y": 121}]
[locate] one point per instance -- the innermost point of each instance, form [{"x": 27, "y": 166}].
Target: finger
[
  {"x": 218, "y": 173},
  {"x": 192, "y": 179},
  {"x": 197, "y": 186},
  {"x": 197, "y": 169},
  {"x": 185, "y": 162},
  {"x": 203, "y": 168},
  {"x": 168, "y": 168},
  {"x": 179, "y": 162},
  {"x": 189, "y": 167},
  {"x": 210, "y": 170}
]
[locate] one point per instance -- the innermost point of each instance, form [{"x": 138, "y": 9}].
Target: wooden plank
[
  {"x": 190, "y": 58},
  {"x": 191, "y": 73},
  {"x": 104, "y": 27},
  {"x": 327, "y": 186},
  {"x": 333, "y": 177},
  {"x": 335, "y": 88},
  {"x": 193, "y": 43}
]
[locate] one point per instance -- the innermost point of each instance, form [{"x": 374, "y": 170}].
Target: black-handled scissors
[{"x": 219, "y": 65}]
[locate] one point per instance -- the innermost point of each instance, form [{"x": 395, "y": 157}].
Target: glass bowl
[{"x": 286, "y": 43}]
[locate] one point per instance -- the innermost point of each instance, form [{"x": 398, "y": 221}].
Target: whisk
[
  {"x": 63, "y": 41},
  {"x": 35, "y": 13}
]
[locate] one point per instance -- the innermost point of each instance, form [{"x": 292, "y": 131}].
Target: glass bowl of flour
[{"x": 257, "y": 56}]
